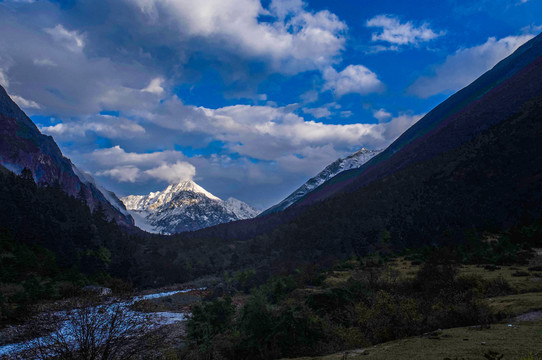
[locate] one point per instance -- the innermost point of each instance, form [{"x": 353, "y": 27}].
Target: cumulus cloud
[
  {"x": 272, "y": 135},
  {"x": 73, "y": 40},
  {"x": 353, "y": 79},
  {"x": 309, "y": 96},
  {"x": 467, "y": 64},
  {"x": 24, "y": 103},
  {"x": 260, "y": 132},
  {"x": 135, "y": 167},
  {"x": 281, "y": 8},
  {"x": 268, "y": 132},
  {"x": 116, "y": 155},
  {"x": 173, "y": 172},
  {"x": 381, "y": 115},
  {"x": 155, "y": 86},
  {"x": 122, "y": 173},
  {"x": 396, "y": 33},
  {"x": 67, "y": 83},
  {"x": 107, "y": 126},
  {"x": 319, "y": 112},
  {"x": 296, "y": 40},
  {"x": 325, "y": 111}
]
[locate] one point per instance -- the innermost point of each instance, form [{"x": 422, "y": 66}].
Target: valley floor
[
  {"x": 517, "y": 337},
  {"x": 514, "y": 340}
]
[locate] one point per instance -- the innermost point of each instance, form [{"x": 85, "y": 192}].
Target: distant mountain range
[
  {"x": 184, "y": 206},
  {"x": 23, "y": 146},
  {"x": 352, "y": 161}
]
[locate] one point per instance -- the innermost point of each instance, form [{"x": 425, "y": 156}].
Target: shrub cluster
[{"x": 284, "y": 318}]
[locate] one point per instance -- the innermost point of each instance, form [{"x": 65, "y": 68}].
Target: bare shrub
[{"x": 92, "y": 331}]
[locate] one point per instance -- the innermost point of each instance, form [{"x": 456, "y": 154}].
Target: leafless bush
[{"x": 92, "y": 331}]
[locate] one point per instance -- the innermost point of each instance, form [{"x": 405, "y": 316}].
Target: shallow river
[{"x": 159, "y": 318}]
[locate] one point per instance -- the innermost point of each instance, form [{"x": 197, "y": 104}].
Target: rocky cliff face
[{"x": 22, "y": 145}]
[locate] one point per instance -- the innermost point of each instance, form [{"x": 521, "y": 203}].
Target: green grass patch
[
  {"x": 516, "y": 304},
  {"x": 522, "y": 284},
  {"x": 514, "y": 342}
]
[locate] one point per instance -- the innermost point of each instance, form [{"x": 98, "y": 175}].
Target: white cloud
[
  {"x": 531, "y": 29},
  {"x": 136, "y": 167},
  {"x": 155, "y": 86},
  {"x": 309, "y": 96},
  {"x": 104, "y": 125},
  {"x": 318, "y": 113},
  {"x": 116, "y": 155},
  {"x": 466, "y": 65},
  {"x": 353, "y": 79},
  {"x": 309, "y": 160},
  {"x": 398, "y": 125},
  {"x": 73, "y": 40},
  {"x": 122, "y": 173},
  {"x": 173, "y": 172},
  {"x": 380, "y": 48},
  {"x": 268, "y": 133},
  {"x": 66, "y": 83},
  {"x": 44, "y": 62},
  {"x": 297, "y": 40},
  {"x": 4, "y": 82},
  {"x": 24, "y": 103},
  {"x": 381, "y": 115},
  {"x": 287, "y": 147},
  {"x": 292, "y": 38},
  {"x": 260, "y": 132},
  {"x": 397, "y": 33},
  {"x": 19, "y": 100},
  {"x": 281, "y": 8}
]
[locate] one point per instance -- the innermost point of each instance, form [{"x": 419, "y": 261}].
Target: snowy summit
[{"x": 184, "y": 206}]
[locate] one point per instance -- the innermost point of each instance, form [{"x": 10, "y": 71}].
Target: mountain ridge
[
  {"x": 352, "y": 161},
  {"x": 445, "y": 126},
  {"x": 22, "y": 145},
  {"x": 184, "y": 206}
]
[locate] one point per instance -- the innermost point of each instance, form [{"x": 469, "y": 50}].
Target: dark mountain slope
[
  {"x": 490, "y": 183},
  {"x": 23, "y": 146},
  {"x": 493, "y": 97},
  {"x": 46, "y": 216}
]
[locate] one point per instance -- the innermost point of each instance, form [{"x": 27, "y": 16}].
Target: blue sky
[{"x": 249, "y": 98}]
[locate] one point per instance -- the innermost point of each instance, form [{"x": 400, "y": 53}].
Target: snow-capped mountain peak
[
  {"x": 190, "y": 185},
  {"x": 352, "y": 161},
  {"x": 184, "y": 206}
]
